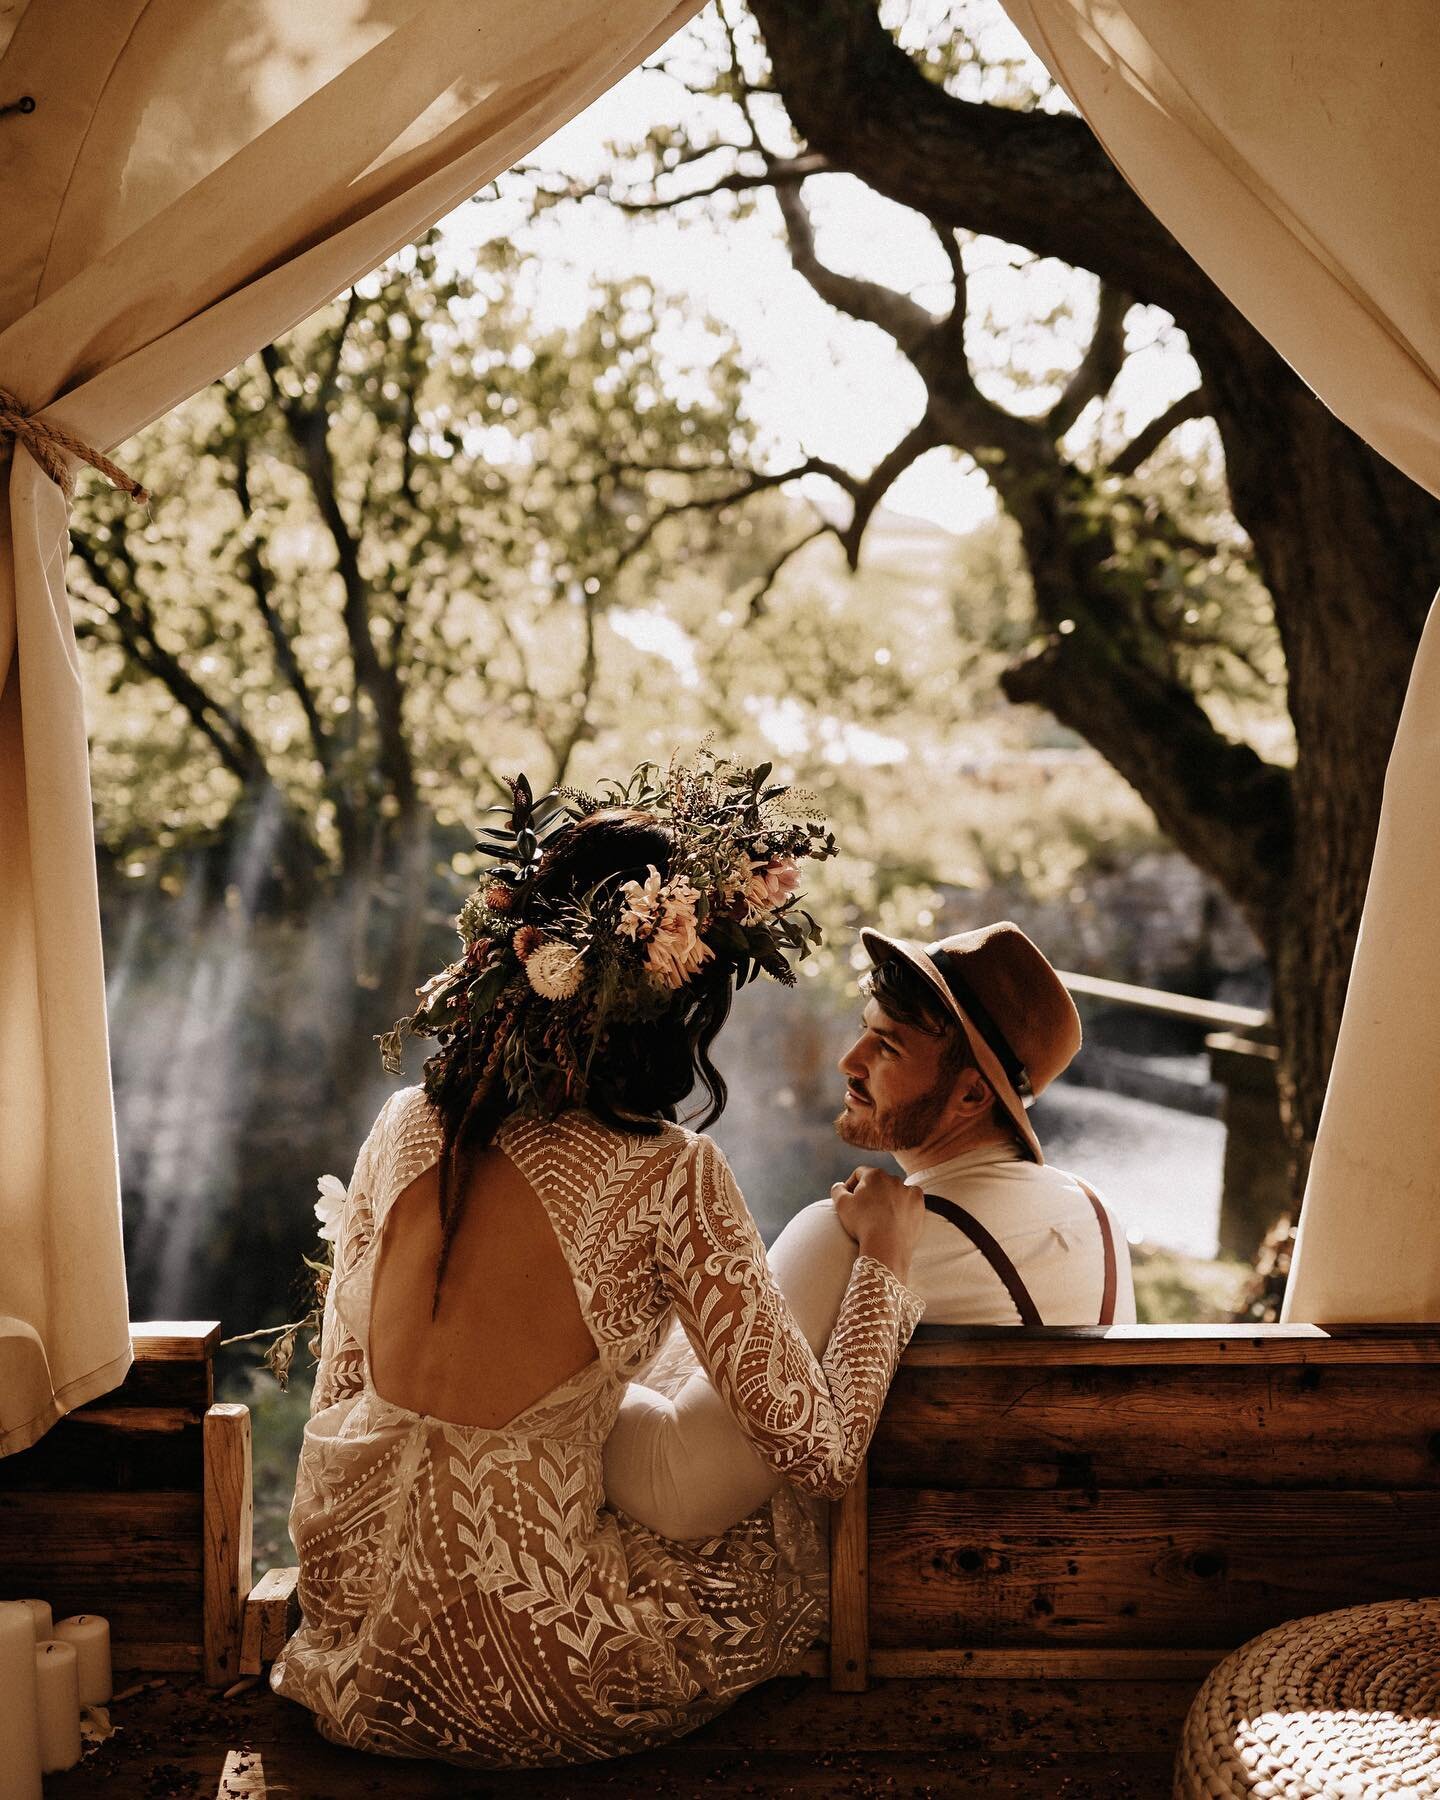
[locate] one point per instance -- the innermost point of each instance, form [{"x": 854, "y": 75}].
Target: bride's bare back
[{"x": 509, "y": 1328}]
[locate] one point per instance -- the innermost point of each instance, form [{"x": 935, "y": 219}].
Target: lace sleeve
[
  {"x": 812, "y": 1422},
  {"x": 341, "y": 1368}
]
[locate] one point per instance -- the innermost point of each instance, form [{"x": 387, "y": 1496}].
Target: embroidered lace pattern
[{"x": 466, "y": 1594}]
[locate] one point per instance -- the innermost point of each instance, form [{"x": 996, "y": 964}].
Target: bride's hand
[{"x": 883, "y": 1215}]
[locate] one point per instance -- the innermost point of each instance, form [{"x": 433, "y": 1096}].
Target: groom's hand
[{"x": 883, "y": 1215}]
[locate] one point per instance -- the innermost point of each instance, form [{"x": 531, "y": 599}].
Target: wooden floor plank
[{"x": 1032, "y": 1741}]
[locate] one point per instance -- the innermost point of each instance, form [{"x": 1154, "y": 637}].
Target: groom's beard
[{"x": 895, "y": 1127}]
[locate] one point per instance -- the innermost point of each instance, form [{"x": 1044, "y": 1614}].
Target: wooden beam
[
  {"x": 1214, "y": 1013},
  {"x": 271, "y": 1613},
  {"x": 1161, "y": 1569},
  {"x": 1028, "y": 1665},
  {"x": 850, "y": 1588},
  {"x": 228, "y": 1528},
  {"x": 1048, "y": 1665},
  {"x": 175, "y": 1340},
  {"x": 959, "y": 1346},
  {"x": 1293, "y": 1426}
]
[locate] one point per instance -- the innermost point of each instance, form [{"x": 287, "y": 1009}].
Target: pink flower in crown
[
  {"x": 644, "y": 904},
  {"x": 773, "y": 881},
  {"x": 662, "y": 916}
]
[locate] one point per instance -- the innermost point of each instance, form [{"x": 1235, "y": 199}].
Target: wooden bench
[
  {"x": 1124, "y": 1504},
  {"x": 137, "y": 1507},
  {"x": 1132, "y": 1502}
]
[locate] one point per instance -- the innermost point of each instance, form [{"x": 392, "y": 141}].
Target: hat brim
[{"x": 880, "y": 948}]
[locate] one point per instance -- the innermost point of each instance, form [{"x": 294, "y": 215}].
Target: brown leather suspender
[
  {"x": 1107, "y": 1237},
  {"x": 991, "y": 1251},
  {"x": 986, "y": 1244}
]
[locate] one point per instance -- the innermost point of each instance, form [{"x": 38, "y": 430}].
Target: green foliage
[
  {"x": 515, "y": 502},
  {"x": 417, "y": 484}
]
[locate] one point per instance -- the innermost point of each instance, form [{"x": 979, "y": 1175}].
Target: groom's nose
[{"x": 852, "y": 1063}]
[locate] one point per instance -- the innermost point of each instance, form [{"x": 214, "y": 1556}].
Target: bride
[{"x": 518, "y": 1234}]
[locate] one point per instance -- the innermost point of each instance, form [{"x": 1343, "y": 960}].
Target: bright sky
[{"x": 823, "y": 384}]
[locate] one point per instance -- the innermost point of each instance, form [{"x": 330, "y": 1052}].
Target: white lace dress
[{"x": 466, "y": 1594}]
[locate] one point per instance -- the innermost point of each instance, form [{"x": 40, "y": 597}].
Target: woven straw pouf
[{"x": 1342, "y": 1706}]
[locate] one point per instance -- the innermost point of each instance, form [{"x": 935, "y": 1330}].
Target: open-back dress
[{"x": 466, "y": 1593}]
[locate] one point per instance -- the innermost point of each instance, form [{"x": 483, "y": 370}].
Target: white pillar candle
[
  {"x": 57, "y": 1689},
  {"x": 44, "y": 1620},
  {"x": 19, "y": 1723},
  {"x": 90, "y": 1637}
]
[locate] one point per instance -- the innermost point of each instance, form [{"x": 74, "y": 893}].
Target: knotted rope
[{"x": 52, "y": 446}]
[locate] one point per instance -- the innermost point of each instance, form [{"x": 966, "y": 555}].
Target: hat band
[{"x": 976, "y": 1011}]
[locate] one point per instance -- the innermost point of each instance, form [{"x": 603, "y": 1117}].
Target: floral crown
[{"x": 544, "y": 978}]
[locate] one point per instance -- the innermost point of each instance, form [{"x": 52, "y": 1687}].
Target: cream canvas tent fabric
[
  {"x": 1293, "y": 151},
  {"x": 192, "y": 181}
]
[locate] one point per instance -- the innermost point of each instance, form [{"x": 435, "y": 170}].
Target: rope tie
[{"x": 52, "y": 446}]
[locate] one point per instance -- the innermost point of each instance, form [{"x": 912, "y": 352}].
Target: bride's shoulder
[{"x": 405, "y": 1124}]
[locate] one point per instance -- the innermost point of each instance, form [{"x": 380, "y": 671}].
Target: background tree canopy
[
  {"x": 441, "y": 532},
  {"x": 1170, "y": 605}
]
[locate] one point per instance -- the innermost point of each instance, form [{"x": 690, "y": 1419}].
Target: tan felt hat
[{"x": 1019, "y": 1019}]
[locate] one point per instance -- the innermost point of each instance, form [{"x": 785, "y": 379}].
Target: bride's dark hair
[{"x": 640, "y": 1072}]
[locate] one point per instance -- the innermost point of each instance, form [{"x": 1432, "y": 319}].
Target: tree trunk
[{"x": 1349, "y": 549}]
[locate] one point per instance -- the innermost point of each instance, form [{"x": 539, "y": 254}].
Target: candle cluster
[{"x": 47, "y": 1673}]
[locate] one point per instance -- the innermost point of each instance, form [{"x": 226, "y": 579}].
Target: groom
[{"x": 956, "y": 1037}]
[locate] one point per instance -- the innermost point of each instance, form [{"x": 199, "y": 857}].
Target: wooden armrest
[
  {"x": 850, "y": 1588},
  {"x": 227, "y": 1513},
  {"x": 272, "y": 1612}
]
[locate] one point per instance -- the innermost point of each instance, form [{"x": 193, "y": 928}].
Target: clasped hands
[{"x": 883, "y": 1214}]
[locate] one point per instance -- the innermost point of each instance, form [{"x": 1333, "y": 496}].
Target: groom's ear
[{"x": 971, "y": 1092}]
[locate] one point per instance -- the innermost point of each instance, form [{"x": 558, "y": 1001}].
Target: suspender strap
[
  {"x": 1010, "y": 1275},
  {"x": 1107, "y": 1237},
  {"x": 993, "y": 1254}
]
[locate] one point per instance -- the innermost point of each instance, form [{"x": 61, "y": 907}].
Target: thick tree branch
[
  {"x": 896, "y": 314},
  {"x": 759, "y": 600},
  {"x": 921, "y": 438},
  {"x": 580, "y": 726},
  {"x": 1031, "y": 178},
  {"x": 1098, "y": 367},
  {"x": 781, "y": 174},
  {"x": 308, "y": 428},
  {"x": 754, "y": 482},
  {"x": 1194, "y": 405},
  {"x": 134, "y": 622},
  {"x": 1220, "y": 803},
  {"x": 257, "y": 579}
]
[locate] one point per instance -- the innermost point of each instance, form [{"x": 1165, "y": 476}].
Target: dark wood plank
[
  {"x": 111, "y": 1449},
  {"x": 229, "y": 1509},
  {"x": 272, "y": 1613},
  {"x": 1290, "y": 1426},
  {"x": 1169, "y": 1569},
  {"x": 849, "y": 1589},
  {"x": 175, "y": 1340},
  {"x": 1095, "y": 1663},
  {"x": 158, "y": 1626},
  {"x": 131, "y": 1537},
  {"x": 966, "y": 1346},
  {"x": 162, "y": 1383}
]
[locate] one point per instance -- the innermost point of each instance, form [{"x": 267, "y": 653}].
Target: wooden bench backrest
[
  {"x": 1134, "y": 1501},
  {"x": 137, "y": 1507}
]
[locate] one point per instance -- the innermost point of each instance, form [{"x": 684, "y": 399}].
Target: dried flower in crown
[
  {"x": 544, "y": 980},
  {"x": 555, "y": 971}
]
